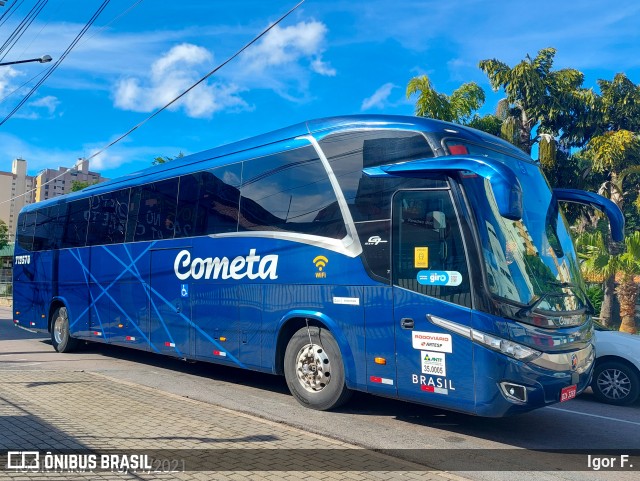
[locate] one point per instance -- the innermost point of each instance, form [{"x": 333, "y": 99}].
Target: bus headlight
[{"x": 509, "y": 348}]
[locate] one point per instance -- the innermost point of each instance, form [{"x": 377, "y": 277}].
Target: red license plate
[{"x": 568, "y": 393}]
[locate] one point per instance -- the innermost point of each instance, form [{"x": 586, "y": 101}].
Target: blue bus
[{"x": 400, "y": 256}]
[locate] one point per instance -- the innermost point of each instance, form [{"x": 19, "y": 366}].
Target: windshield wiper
[{"x": 533, "y": 305}]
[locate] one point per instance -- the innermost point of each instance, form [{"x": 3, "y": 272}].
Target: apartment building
[
  {"x": 16, "y": 191},
  {"x": 52, "y": 183}
]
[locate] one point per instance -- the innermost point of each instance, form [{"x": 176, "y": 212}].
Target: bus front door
[
  {"x": 434, "y": 366},
  {"x": 170, "y": 327}
]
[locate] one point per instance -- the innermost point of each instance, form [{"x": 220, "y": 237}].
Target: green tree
[
  {"x": 628, "y": 289},
  {"x": 77, "y": 185},
  {"x": 457, "y": 107},
  {"x": 536, "y": 97},
  {"x": 597, "y": 262},
  {"x": 460, "y": 107},
  {"x": 4, "y": 235},
  {"x": 163, "y": 160}
]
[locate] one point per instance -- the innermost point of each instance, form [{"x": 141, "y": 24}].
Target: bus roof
[{"x": 318, "y": 127}]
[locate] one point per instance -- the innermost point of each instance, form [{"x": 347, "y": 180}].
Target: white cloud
[
  {"x": 40, "y": 156},
  {"x": 287, "y": 45},
  {"x": 171, "y": 75},
  {"x": 7, "y": 74},
  {"x": 379, "y": 99},
  {"x": 50, "y": 103}
]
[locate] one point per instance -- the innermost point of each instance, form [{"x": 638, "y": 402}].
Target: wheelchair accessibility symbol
[{"x": 184, "y": 290}]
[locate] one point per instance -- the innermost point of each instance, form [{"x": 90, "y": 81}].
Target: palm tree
[
  {"x": 628, "y": 290},
  {"x": 536, "y": 96},
  {"x": 597, "y": 261},
  {"x": 457, "y": 107}
]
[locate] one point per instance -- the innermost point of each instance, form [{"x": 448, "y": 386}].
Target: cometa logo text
[{"x": 252, "y": 266}]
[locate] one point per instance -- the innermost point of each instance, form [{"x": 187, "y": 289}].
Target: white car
[{"x": 616, "y": 377}]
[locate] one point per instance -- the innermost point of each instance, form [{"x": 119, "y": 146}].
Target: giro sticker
[
  {"x": 433, "y": 341},
  {"x": 439, "y": 278}
]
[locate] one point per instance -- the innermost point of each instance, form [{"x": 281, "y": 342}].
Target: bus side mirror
[
  {"x": 615, "y": 245},
  {"x": 504, "y": 182}
]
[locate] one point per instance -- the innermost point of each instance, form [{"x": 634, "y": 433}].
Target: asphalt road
[{"x": 366, "y": 420}]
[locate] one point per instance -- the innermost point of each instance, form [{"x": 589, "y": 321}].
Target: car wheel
[
  {"x": 615, "y": 383},
  {"x": 314, "y": 369},
  {"x": 60, "y": 336}
]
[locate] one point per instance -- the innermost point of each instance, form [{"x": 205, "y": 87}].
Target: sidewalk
[{"x": 80, "y": 411}]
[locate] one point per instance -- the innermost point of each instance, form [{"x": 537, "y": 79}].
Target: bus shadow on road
[{"x": 218, "y": 372}]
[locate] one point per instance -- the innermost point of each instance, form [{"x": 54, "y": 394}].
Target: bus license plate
[{"x": 568, "y": 393}]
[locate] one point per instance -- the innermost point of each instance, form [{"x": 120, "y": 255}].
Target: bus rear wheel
[
  {"x": 60, "y": 336},
  {"x": 314, "y": 369}
]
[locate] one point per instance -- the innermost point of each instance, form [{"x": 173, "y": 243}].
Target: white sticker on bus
[
  {"x": 349, "y": 301},
  {"x": 434, "y": 341},
  {"x": 433, "y": 363}
]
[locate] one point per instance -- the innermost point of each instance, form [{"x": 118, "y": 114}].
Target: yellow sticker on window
[{"x": 421, "y": 257}]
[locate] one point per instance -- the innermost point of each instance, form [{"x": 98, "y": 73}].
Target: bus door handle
[{"x": 407, "y": 323}]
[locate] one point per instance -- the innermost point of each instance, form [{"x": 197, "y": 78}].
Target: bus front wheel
[
  {"x": 60, "y": 336},
  {"x": 314, "y": 369}
]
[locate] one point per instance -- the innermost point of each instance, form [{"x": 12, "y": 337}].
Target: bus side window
[
  {"x": 289, "y": 191},
  {"x": 26, "y": 228},
  {"x": 428, "y": 251},
  {"x": 107, "y": 218},
  {"x": 220, "y": 199},
  {"x": 75, "y": 226},
  {"x": 155, "y": 213},
  {"x": 44, "y": 226},
  {"x": 188, "y": 222}
]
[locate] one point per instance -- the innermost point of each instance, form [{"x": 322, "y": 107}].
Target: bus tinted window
[
  {"x": 108, "y": 218},
  {"x": 289, "y": 192},
  {"x": 153, "y": 211},
  {"x": 220, "y": 199},
  {"x": 188, "y": 223},
  {"x": 369, "y": 199},
  {"x": 45, "y": 232},
  {"x": 26, "y": 227},
  {"x": 75, "y": 225},
  {"x": 348, "y": 153},
  {"x": 429, "y": 255}
]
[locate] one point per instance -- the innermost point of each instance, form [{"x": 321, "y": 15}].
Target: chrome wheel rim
[
  {"x": 313, "y": 368},
  {"x": 614, "y": 384},
  {"x": 59, "y": 330}
]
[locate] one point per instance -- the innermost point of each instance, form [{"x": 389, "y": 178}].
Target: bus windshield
[{"x": 529, "y": 262}]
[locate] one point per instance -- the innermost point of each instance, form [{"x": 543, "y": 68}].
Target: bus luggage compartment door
[{"x": 170, "y": 327}]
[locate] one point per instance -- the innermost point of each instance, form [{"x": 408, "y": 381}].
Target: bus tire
[
  {"x": 315, "y": 372},
  {"x": 60, "y": 336}
]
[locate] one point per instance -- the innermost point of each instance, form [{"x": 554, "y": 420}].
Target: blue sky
[{"x": 328, "y": 58}]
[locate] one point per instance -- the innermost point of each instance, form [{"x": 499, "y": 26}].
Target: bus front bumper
[{"x": 506, "y": 386}]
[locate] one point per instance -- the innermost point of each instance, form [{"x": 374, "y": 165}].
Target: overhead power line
[
  {"x": 21, "y": 28},
  {"x": 6, "y": 15},
  {"x": 82, "y": 42},
  {"x": 168, "y": 104},
  {"x": 58, "y": 62}
]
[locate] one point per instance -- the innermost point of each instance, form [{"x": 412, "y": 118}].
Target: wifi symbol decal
[{"x": 320, "y": 263}]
